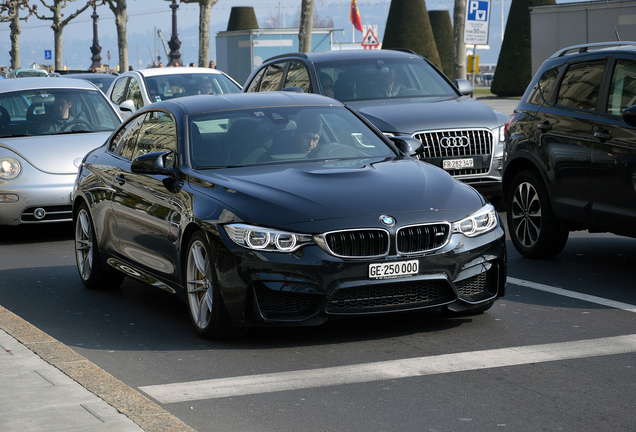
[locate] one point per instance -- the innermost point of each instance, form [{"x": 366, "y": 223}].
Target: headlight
[
  {"x": 10, "y": 168},
  {"x": 265, "y": 239},
  {"x": 480, "y": 222}
]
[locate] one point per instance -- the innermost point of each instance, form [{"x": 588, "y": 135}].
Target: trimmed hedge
[
  {"x": 408, "y": 26},
  {"x": 242, "y": 18},
  {"x": 443, "y": 32}
]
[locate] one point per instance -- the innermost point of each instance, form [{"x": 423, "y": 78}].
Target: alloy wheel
[
  {"x": 526, "y": 214},
  {"x": 199, "y": 285},
  {"x": 84, "y": 244}
]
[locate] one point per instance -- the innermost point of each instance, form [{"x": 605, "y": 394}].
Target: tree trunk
[
  {"x": 121, "y": 18},
  {"x": 57, "y": 36},
  {"x": 459, "y": 22},
  {"x": 205, "y": 7},
  {"x": 306, "y": 25},
  {"x": 15, "y": 42}
]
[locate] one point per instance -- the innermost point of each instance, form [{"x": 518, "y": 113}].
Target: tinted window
[
  {"x": 384, "y": 78},
  {"x": 541, "y": 92},
  {"x": 623, "y": 87},
  {"x": 134, "y": 93},
  {"x": 157, "y": 133},
  {"x": 272, "y": 78},
  {"x": 125, "y": 140},
  {"x": 298, "y": 76},
  {"x": 119, "y": 91},
  {"x": 253, "y": 86},
  {"x": 280, "y": 135},
  {"x": 580, "y": 85}
]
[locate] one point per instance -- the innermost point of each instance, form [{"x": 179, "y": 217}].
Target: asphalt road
[{"x": 557, "y": 353}]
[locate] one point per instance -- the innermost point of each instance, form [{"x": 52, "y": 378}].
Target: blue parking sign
[
  {"x": 476, "y": 24},
  {"x": 48, "y": 55}
]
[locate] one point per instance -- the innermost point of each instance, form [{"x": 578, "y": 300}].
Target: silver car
[
  {"x": 46, "y": 128},
  {"x": 134, "y": 90}
]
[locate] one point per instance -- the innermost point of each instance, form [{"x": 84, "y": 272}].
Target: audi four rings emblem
[{"x": 451, "y": 142}]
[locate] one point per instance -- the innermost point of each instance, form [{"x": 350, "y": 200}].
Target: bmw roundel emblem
[{"x": 387, "y": 220}]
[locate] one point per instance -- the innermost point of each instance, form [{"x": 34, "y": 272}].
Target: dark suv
[
  {"x": 570, "y": 151},
  {"x": 402, "y": 94}
]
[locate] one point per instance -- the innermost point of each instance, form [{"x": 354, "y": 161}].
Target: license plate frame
[{"x": 394, "y": 270}]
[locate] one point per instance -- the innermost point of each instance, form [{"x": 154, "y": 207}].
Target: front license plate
[
  {"x": 452, "y": 164},
  {"x": 397, "y": 269}
]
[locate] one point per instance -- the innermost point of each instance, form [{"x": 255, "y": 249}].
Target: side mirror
[
  {"x": 464, "y": 86},
  {"x": 407, "y": 145},
  {"x": 629, "y": 115},
  {"x": 127, "y": 106},
  {"x": 153, "y": 163}
]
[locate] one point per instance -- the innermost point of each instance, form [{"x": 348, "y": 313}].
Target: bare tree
[
  {"x": 59, "y": 23},
  {"x": 205, "y": 7},
  {"x": 121, "y": 19},
  {"x": 10, "y": 12},
  {"x": 306, "y": 25}
]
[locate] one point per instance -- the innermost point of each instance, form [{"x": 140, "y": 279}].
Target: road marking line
[
  {"x": 388, "y": 370},
  {"x": 573, "y": 294}
]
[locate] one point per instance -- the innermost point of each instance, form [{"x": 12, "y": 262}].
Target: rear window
[
  {"x": 581, "y": 84},
  {"x": 541, "y": 92}
]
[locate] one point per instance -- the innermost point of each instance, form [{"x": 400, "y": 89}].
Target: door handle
[
  {"x": 603, "y": 136},
  {"x": 120, "y": 179},
  {"x": 544, "y": 126}
]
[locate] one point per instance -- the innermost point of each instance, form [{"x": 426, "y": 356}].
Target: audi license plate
[
  {"x": 393, "y": 270},
  {"x": 452, "y": 164}
]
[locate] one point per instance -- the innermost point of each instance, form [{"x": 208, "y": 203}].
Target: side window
[
  {"x": 124, "y": 141},
  {"x": 580, "y": 85},
  {"x": 298, "y": 76},
  {"x": 623, "y": 87},
  {"x": 158, "y": 133},
  {"x": 253, "y": 86},
  {"x": 134, "y": 93},
  {"x": 544, "y": 87},
  {"x": 119, "y": 91},
  {"x": 272, "y": 78}
]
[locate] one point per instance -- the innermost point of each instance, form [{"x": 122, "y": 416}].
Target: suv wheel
[{"x": 534, "y": 230}]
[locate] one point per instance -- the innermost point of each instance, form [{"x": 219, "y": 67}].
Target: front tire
[
  {"x": 205, "y": 305},
  {"x": 533, "y": 227},
  {"x": 89, "y": 263}
]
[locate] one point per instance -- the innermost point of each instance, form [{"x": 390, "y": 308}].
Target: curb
[{"x": 129, "y": 402}]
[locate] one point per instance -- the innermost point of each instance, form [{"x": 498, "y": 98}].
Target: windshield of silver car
[
  {"x": 281, "y": 134},
  {"x": 55, "y": 111},
  {"x": 359, "y": 79}
]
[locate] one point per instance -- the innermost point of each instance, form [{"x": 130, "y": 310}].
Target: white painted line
[
  {"x": 387, "y": 370},
  {"x": 573, "y": 294}
]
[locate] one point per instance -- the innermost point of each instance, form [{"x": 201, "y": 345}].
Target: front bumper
[{"x": 309, "y": 286}]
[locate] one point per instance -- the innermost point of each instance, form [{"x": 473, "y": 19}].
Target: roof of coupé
[
  {"x": 22, "y": 84},
  {"x": 234, "y": 101}
]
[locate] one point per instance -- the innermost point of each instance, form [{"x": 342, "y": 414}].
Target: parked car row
[{"x": 276, "y": 207}]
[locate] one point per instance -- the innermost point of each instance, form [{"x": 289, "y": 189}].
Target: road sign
[
  {"x": 370, "y": 41},
  {"x": 48, "y": 55},
  {"x": 477, "y": 22}
]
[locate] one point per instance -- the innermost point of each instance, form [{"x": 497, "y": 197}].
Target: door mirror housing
[
  {"x": 128, "y": 106},
  {"x": 407, "y": 145},
  {"x": 153, "y": 163},
  {"x": 629, "y": 115},
  {"x": 464, "y": 86}
]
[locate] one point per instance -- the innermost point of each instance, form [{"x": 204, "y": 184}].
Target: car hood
[
  {"x": 408, "y": 115},
  {"x": 55, "y": 154},
  {"x": 282, "y": 195}
]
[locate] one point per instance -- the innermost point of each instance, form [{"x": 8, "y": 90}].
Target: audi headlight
[
  {"x": 480, "y": 222},
  {"x": 10, "y": 168},
  {"x": 265, "y": 239}
]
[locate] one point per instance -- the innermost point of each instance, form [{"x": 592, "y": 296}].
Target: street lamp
[
  {"x": 95, "y": 48},
  {"x": 174, "y": 43}
]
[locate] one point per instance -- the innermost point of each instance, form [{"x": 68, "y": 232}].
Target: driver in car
[{"x": 62, "y": 117}]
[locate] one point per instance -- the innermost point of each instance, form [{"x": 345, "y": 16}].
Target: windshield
[
  {"x": 281, "y": 134},
  {"x": 166, "y": 87},
  {"x": 54, "y": 111},
  {"x": 348, "y": 80}
]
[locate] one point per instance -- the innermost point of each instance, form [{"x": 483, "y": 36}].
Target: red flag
[{"x": 355, "y": 16}]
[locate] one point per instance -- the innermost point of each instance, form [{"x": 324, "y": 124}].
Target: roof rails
[{"x": 590, "y": 47}]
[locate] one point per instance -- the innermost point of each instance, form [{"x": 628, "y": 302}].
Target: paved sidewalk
[{"x": 46, "y": 386}]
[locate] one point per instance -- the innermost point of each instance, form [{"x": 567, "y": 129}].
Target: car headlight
[
  {"x": 265, "y": 239},
  {"x": 10, "y": 168},
  {"x": 480, "y": 222}
]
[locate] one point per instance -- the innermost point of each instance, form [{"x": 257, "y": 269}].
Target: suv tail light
[{"x": 509, "y": 121}]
